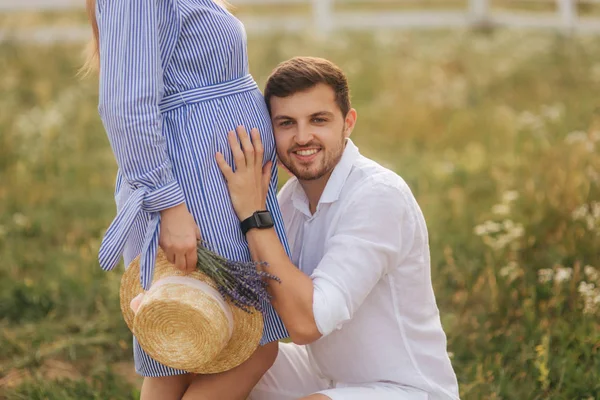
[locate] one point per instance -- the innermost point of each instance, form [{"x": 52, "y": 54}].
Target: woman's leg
[
  {"x": 236, "y": 383},
  {"x": 165, "y": 387}
]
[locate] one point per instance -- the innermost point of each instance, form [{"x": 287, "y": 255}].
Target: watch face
[{"x": 265, "y": 219}]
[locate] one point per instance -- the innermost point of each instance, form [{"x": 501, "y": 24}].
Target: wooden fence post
[
  {"x": 568, "y": 15},
  {"x": 323, "y": 16},
  {"x": 479, "y": 12}
]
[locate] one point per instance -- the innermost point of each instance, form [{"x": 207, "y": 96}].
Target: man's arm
[
  {"x": 366, "y": 243},
  {"x": 374, "y": 233},
  {"x": 293, "y": 296},
  {"x": 248, "y": 187}
]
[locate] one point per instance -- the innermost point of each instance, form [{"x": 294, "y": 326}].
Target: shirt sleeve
[
  {"x": 131, "y": 87},
  {"x": 368, "y": 241}
]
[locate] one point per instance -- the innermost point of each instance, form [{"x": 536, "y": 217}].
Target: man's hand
[
  {"x": 249, "y": 184},
  {"x": 179, "y": 237}
]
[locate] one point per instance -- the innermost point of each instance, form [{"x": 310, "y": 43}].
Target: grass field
[{"x": 497, "y": 134}]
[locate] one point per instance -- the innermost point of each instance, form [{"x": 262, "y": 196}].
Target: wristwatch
[{"x": 259, "y": 220}]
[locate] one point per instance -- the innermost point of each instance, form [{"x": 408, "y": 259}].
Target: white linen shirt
[{"x": 366, "y": 249}]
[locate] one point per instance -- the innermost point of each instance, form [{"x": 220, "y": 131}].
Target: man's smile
[{"x": 306, "y": 155}]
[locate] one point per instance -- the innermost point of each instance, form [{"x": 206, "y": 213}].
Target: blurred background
[{"x": 488, "y": 109}]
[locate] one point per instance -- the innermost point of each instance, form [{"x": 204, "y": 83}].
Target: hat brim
[{"x": 247, "y": 327}]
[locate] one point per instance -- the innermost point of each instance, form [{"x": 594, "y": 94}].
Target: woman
[{"x": 174, "y": 80}]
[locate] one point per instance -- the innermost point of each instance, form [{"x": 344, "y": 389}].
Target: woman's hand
[
  {"x": 179, "y": 237},
  {"x": 249, "y": 184}
]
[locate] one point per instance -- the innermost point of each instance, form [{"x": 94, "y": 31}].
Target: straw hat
[{"x": 184, "y": 323}]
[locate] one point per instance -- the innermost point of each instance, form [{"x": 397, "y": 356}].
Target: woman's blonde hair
[{"x": 92, "y": 60}]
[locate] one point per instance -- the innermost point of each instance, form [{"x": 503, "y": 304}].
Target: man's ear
[{"x": 350, "y": 122}]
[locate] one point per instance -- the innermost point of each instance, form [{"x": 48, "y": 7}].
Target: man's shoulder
[
  {"x": 373, "y": 181},
  {"x": 385, "y": 198}
]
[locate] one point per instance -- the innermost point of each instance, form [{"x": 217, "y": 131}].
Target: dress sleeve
[{"x": 131, "y": 87}]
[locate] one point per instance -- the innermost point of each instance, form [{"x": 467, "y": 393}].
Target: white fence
[{"x": 327, "y": 16}]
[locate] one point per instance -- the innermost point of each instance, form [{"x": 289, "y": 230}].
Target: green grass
[
  {"x": 502, "y": 127},
  {"x": 105, "y": 386}
]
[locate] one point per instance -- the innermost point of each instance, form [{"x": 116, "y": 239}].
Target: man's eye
[
  {"x": 319, "y": 120},
  {"x": 285, "y": 123}
]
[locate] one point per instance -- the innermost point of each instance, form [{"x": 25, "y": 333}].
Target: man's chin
[
  {"x": 308, "y": 175},
  {"x": 304, "y": 173}
]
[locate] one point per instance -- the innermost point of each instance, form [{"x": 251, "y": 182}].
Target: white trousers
[{"x": 292, "y": 377}]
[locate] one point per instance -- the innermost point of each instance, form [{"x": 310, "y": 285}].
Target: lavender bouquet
[{"x": 240, "y": 282}]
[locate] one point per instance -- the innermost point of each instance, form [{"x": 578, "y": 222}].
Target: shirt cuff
[
  {"x": 167, "y": 196},
  {"x": 330, "y": 308}
]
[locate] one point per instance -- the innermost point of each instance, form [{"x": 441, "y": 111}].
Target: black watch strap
[{"x": 259, "y": 220}]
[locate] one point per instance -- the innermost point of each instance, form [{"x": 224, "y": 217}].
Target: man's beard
[{"x": 330, "y": 158}]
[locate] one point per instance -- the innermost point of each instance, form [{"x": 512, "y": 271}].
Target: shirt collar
[{"x": 334, "y": 185}]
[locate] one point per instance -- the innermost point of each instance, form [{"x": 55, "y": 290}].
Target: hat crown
[
  {"x": 201, "y": 287},
  {"x": 184, "y": 327},
  {"x": 179, "y": 320}
]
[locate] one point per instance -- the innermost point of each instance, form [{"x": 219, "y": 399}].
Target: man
[{"x": 360, "y": 307}]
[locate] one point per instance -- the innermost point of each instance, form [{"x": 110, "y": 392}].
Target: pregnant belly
[{"x": 194, "y": 134}]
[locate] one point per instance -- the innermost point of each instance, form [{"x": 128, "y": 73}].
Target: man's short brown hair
[{"x": 303, "y": 73}]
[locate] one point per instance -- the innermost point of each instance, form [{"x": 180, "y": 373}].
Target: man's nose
[{"x": 303, "y": 135}]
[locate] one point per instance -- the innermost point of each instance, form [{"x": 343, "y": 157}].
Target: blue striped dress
[{"x": 174, "y": 79}]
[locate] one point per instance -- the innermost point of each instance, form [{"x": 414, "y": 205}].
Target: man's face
[{"x": 310, "y": 131}]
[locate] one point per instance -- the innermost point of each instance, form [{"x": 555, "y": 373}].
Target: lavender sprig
[{"x": 240, "y": 282}]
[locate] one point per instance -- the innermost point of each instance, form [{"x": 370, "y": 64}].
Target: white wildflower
[
  {"x": 492, "y": 227},
  {"x": 510, "y": 271},
  {"x": 592, "y": 174},
  {"x": 583, "y": 138},
  {"x": 591, "y": 304},
  {"x": 576, "y": 137},
  {"x": 585, "y": 288},
  {"x": 545, "y": 275},
  {"x": 501, "y": 209},
  {"x": 517, "y": 231},
  {"x": 500, "y": 242},
  {"x": 590, "y": 215},
  {"x": 20, "y": 220},
  {"x": 591, "y": 273},
  {"x": 591, "y": 297},
  {"x": 529, "y": 121},
  {"x": 563, "y": 274},
  {"x": 590, "y": 222},
  {"x": 510, "y": 196},
  {"x": 595, "y": 209},
  {"x": 580, "y": 212},
  {"x": 553, "y": 112},
  {"x": 480, "y": 230}
]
